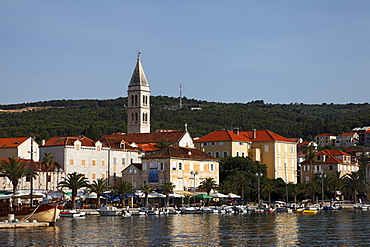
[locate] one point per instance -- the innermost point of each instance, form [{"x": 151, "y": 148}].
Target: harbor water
[{"x": 336, "y": 228}]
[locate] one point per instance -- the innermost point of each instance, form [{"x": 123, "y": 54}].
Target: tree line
[{"x": 94, "y": 118}]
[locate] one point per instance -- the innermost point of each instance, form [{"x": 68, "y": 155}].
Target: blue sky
[{"x": 223, "y": 51}]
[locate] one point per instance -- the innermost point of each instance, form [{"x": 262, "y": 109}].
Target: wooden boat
[{"x": 43, "y": 212}]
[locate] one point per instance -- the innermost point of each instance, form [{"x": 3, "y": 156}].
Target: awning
[
  {"x": 218, "y": 195},
  {"x": 184, "y": 193}
]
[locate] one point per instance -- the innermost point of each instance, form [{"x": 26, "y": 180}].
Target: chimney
[
  {"x": 43, "y": 143},
  {"x": 254, "y": 134},
  {"x": 236, "y": 131}
]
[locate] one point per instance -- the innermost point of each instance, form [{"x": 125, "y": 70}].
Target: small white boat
[
  {"x": 126, "y": 213},
  {"x": 72, "y": 214},
  {"x": 108, "y": 211}
]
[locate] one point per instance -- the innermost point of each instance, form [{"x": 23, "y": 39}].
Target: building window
[
  {"x": 114, "y": 160},
  {"x": 93, "y": 162},
  {"x": 217, "y": 154},
  {"x": 210, "y": 153},
  {"x": 307, "y": 178},
  {"x": 98, "y": 148},
  {"x": 211, "y": 167},
  {"x": 213, "y": 144},
  {"x": 266, "y": 148},
  {"x": 237, "y": 154},
  {"x": 103, "y": 175},
  {"x": 243, "y": 154},
  {"x": 330, "y": 167},
  {"x": 93, "y": 176},
  {"x": 78, "y": 147},
  {"x": 205, "y": 143},
  {"x": 180, "y": 166},
  {"x": 221, "y": 143},
  {"x": 201, "y": 167},
  {"x": 83, "y": 162},
  {"x": 103, "y": 163},
  {"x": 145, "y": 165},
  {"x": 71, "y": 162},
  {"x": 161, "y": 166},
  {"x": 123, "y": 161},
  {"x": 49, "y": 178},
  {"x": 225, "y": 154}
]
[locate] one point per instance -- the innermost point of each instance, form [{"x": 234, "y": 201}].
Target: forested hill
[{"x": 94, "y": 118}]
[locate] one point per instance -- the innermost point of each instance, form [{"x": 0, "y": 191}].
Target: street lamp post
[
  {"x": 258, "y": 175},
  {"x": 322, "y": 176},
  {"x": 132, "y": 171},
  {"x": 194, "y": 174}
]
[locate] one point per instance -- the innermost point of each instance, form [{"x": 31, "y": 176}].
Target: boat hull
[{"x": 44, "y": 213}]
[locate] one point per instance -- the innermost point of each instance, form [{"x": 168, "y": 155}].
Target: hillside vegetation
[{"x": 94, "y": 118}]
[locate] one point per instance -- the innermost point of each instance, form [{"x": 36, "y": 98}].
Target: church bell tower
[{"x": 138, "y": 107}]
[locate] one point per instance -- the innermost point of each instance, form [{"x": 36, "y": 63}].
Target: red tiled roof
[
  {"x": 223, "y": 135},
  {"x": 295, "y": 139},
  {"x": 264, "y": 135},
  {"x": 352, "y": 149},
  {"x": 116, "y": 144},
  {"x": 325, "y": 134},
  {"x": 304, "y": 143},
  {"x": 347, "y": 134},
  {"x": 147, "y": 147},
  {"x": 69, "y": 141},
  {"x": 12, "y": 142},
  {"x": 173, "y": 136},
  {"x": 180, "y": 152}
]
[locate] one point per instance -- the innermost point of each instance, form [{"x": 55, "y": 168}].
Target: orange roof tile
[
  {"x": 12, "y": 142},
  {"x": 69, "y": 141},
  {"x": 154, "y": 137},
  {"x": 37, "y": 165},
  {"x": 325, "y": 134},
  {"x": 223, "y": 135},
  {"x": 347, "y": 134},
  {"x": 264, "y": 135},
  {"x": 180, "y": 152},
  {"x": 117, "y": 144}
]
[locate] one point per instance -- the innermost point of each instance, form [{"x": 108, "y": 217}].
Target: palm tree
[
  {"x": 311, "y": 189},
  {"x": 124, "y": 188},
  {"x": 295, "y": 190},
  {"x": 355, "y": 182},
  {"x": 227, "y": 187},
  {"x": 208, "y": 184},
  {"x": 162, "y": 144},
  {"x": 269, "y": 188},
  {"x": 14, "y": 170},
  {"x": 48, "y": 162},
  {"x": 167, "y": 187},
  {"x": 146, "y": 189},
  {"x": 310, "y": 155},
  {"x": 241, "y": 180},
  {"x": 74, "y": 181},
  {"x": 335, "y": 182},
  {"x": 98, "y": 186}
]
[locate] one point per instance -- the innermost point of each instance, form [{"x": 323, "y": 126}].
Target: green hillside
[{"x": 94, "y": 118}]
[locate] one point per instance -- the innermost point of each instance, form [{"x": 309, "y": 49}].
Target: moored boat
[
  {"x": 43, "y": 212},
  {"x": 109, "y": 211},
  {"x": 72, "y": 214}
]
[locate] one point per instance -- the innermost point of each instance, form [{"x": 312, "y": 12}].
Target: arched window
[
  {"x": 136, "y": 117},
  {"x": 135, "y": 100},
  {"x": 132, "y": 100}
]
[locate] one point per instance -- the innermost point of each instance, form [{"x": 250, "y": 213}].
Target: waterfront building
[
  {"x": 19, "y": 147},
  {"x": 278, "y": 153},
  {"x": 328, "y": 162},
  {"x": 185, "y": 167},
  {"x": 94, "y": 159},
  {"x": 223, "y": 143}
]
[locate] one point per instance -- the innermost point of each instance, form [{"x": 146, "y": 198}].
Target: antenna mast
[{"x": 180, "y": 96}]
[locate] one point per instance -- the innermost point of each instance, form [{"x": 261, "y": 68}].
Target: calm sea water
[{"x": 341, "y": 228}]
